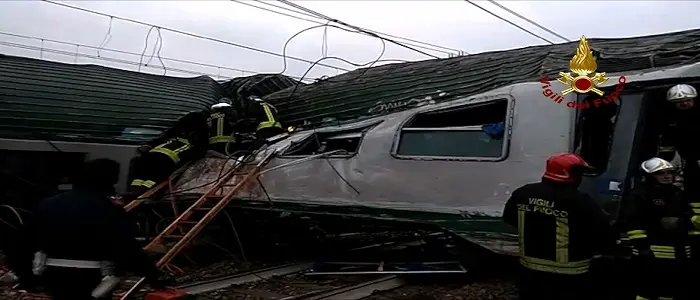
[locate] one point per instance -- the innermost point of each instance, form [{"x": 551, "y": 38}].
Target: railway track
[{"x": 289, "y": 282}]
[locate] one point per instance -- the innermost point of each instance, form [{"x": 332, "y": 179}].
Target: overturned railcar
[{"x": 439, "y": 164}]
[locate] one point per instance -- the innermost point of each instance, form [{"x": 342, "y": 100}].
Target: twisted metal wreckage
[{"x": 459, "y": 135}]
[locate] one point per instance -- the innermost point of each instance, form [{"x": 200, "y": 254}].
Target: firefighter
[
  {"x": 258, "y": 119},
  {"x": 185, "y": 141},
  {"x": 680, "y": 134},
  {"x": 559, "y": 229},
  {"x": 79, "y": 233},
  {"x": 222, "y": 123},
  {"x": 657, "y": 224}
]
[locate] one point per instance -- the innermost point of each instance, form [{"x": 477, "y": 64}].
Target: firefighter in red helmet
[{"x": 559, "y": 229}]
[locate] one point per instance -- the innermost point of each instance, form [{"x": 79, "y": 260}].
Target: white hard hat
[
  {"x": 220, "y": 105},
  {"x": 656, "y": 164},
  {"x": 681, "y": 92}
]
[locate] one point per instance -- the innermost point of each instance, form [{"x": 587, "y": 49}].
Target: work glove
[{"x": 670, "y": 223}]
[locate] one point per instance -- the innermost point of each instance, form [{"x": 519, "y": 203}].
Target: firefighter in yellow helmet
[
  {"x": 560, "y": 229},
  {"x": 657, "y": 221}
]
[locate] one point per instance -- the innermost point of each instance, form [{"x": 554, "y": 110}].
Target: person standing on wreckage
[
  {"x": 560, "y": 229},
  {"x": 80, "y": 235},
  {"x": 159, "y": 158},
  {"x": 222, "y": 122},
  {"x": 258, "y": 122}
]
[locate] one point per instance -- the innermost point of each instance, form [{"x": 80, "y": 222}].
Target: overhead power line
[
  {"x": 191, "y": 34},
  {"x": 114, "y": 60},
  {"x": 412, "y": 42},
  {"x": 139, "y": 54},
  {"x": 329, "y": 19},
  {"x": 528, "y": 20},
  {"x": 509, "y": 22}
]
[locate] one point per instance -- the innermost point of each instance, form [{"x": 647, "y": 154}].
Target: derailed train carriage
[
  {"x": 441, "y": 165},
  {"x": 435, "y": 165},
  {"x": 438, "y": 163}
]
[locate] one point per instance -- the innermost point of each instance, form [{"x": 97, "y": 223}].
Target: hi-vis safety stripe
[
  {"x": 521, "y": 231},
  {"x": 562, "y": 265},
  {"x": 696, "y": 221},
  {"x": 636, "y": 234},
  {"x": 570, "y": 268},
  {"x": 562, "y": 240},
  {"x": 271, "y": 122},
  {"x": 220, "y": 137},
  {"x": 665, "y": 298},
  {"x": 173, "y": 154},
  {"x": 145, "y": 183},
  {"x": 667, "y": 149},
  {"x": 667, "y": 252},
  {"x": 641, "y": 298}
]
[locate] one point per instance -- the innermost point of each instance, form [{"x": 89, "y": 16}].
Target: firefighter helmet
[
  {"x": 655, "y": 164},
  {"x": 223, "y": 102},
  {"x": 565, "y": 167},
  {"x": 681, "y": 92}
]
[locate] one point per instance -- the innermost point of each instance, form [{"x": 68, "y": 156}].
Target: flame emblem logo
[{"x": 582, "y": 64}]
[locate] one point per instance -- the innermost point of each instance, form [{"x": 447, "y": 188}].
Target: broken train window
[
  {"x": 473, "y": 131},
  {"x": 346, "y": 141}
]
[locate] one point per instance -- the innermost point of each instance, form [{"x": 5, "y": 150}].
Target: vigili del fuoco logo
[{"x": 582, "y": 65}]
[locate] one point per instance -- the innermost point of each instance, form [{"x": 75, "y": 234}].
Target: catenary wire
[
  {"x": 528, "y": 20},
  {"x": 414, "y": 43},
  {"x": 448, "y": 50},
  {"x": 137, "y": 54},
  {"x": 356, "y": 28},
  {"x": 509, "y": 22},
  {"x": 189, "y": 34},
  {"x": 113, "y": 60}
]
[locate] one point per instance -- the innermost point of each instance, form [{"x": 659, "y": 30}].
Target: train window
[
  {"x": 594, "y": 132},
  {"x": 472, "y": 132},
  {"x": 345, "y": 142}
]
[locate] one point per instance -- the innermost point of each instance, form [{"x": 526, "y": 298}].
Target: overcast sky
[{"x": 452, "y": 24}]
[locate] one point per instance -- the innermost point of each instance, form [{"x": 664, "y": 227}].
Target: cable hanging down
[
  {"x": 243, "y": 72},
  {"x": 411, "y": 42},
  {"x": 189, "y": 34},
  {"x": 354, "y": 27}
]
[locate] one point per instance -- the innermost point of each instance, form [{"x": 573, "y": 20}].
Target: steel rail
[
  {"x": 228, "y": 280},
  {"x": 353, "y": 291}
]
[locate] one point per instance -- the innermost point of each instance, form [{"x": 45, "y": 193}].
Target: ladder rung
[{"x": 173, "y": 236}]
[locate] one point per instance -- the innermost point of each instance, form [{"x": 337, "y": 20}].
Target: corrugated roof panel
[
  {"x": 42, "y": 99},
  {"x": 360, "y": 92}
]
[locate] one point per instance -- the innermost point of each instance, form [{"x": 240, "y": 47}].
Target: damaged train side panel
[{"x": 415, "y": 166}]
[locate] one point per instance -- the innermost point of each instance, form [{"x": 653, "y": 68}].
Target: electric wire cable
[
  {"x": 528, "y": 20},
  {"x": 509, "y": 22},
  {"x": 355, "y": 27},
  {"x": 188, "y": 34},
  {"x": 411, "y": 42},
  {"x": 157, "y": 47},
  {"x": 138, "y": 54}
]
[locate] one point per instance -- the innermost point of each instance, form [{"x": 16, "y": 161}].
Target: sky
[{"x": 456, "y": 25}]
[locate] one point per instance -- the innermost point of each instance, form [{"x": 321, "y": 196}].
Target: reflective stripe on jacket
[
  {"x": 559, "y": 228},
  {"x": 173, "y": 148}
]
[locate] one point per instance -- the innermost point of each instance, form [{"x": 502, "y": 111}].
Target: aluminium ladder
[{"x": 203, "y": 205}]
